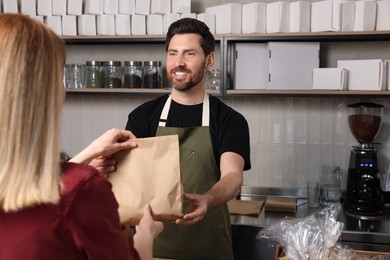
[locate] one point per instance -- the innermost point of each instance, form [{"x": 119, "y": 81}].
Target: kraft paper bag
[{"x": 149, "y": 174}]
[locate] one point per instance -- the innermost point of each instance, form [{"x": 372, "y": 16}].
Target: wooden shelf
[
  {"x": 318, "y": 93},
  {"x": 125, "y": 91}
]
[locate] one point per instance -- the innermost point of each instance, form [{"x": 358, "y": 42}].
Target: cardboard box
[
  {"x": 190, "y": 15},
  {"x": 28, "y": 7},
  {"x": 278, "y": 17},
  {"x": 291, "y": 64},
  {"x": 75, "y": 7},
  {"x": 105, "y": 24},
  {"x": 54, "y": 22},
  {"x": 321, "y": 16},
  {"x": 122, "y": 24},
  {"x": 86, "y": 24},
  {"x": 10, "y": 6},
  {"x": 59, "y": 7},
  {"x": 168, "y": 19},
  {"x": 300, "y": 16},
  {"x": 364, "y": 74},
  {"x": 330, "y": 78},
  {"x": 251, "y": 66},
  {"x": 127, "y": 6},
  {"x": 347, "y": 16},
  {"x": 69, "y": 25},
  {"x": 142, "y": 7},
  {"x": 138, "y": 24},
  {"x": 44, "y": 7},
  {"x": 254, "y": 17},
  {"x": 154, "y": 24},
  {"x": 38, "y": 17},
  {"x": 383, "y": 17},
  {"x": 181, "y": 6},
  {"x": 227, "y": 18},
  {"x": 111, "y": 7},
  {"x": 208, "y": 19},
  {"x": 93, "y": 6},
  {"x": 160, "y": 6},
  {"x": 365, "y": 15}
]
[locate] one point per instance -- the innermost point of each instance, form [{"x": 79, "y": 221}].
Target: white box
[
  {"x": 154, "y": 24},
  {"x": 254, "y": 17},
  {"x": 93, "y": 6},
  {"x": 75, "y": 7},
  {"x": 138, "y": 24},
  {"x": 227, "y": 18},
  {"x": 38, "y": 17},
  {"x": 189, "y": 15},
  {"x": 278, "y": 17},
  {"x": 142, "y": 7},
  {"x": 122, "y": 24},
  {"x": 86, "y": 24},
  {"x": 300, "y": 16},
  {"x": 54, "y": 22},
  {"x": 330, "y": 78},
  {"x": 291, "y": 64},
  {"x": 347, "y": 16},
  {"x": 168, "y": 19},
  {"x": 364, "y": 74},
  {"x": 59, "y": 7},
  {"x": 28, "y": 7},
  {"x": 69, "y": 25},
  {"x": 251, "y": 66},
  {"x": 160, "y": 6},
  {"x": 127, "y": 6},
  {"x": 365, "y": 15},
  {"x": 111, "y": 7},
  {"x": 208, "y": 19},
  {"x": 383, "y": 15},
  {"x": 105, "y": 24},
  {"x": 181, "y": 6},
  {"x": 10, "y": 6},
  {"x": 321, "y": 16},
  {"x": 45, "y": 7}
]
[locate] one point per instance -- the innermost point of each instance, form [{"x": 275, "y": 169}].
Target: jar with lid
[
  {"x": 93, "y": 74},
  {"x": 152, "y": 74},
  {"x": 133, "y": 74},
  {"x": 113, "y": 74},
  {"x": 213, "y": 79}
]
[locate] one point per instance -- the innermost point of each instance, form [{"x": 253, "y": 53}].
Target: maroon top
[{"x": 84, "y": 225}]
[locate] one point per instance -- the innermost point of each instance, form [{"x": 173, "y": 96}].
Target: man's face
[{"x": 186, "y": 63}]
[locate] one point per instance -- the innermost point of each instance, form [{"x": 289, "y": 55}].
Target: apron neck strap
[{"x": 205, "y": 111}]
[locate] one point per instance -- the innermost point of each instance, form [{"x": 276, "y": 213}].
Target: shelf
[
  {"x": 310, "y": 93},
  {"x": 124, "y": 91}
]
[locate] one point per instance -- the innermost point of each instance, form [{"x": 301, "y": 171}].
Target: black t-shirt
[{"x": 228, "y": 129}]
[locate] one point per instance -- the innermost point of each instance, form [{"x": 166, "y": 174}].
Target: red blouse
[{"x": 84, "y": 225}]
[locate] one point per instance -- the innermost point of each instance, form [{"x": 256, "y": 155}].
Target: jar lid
[
  {"x": 94, "y": 63},
  {"x": 133, "y": 63},
  {"x": 112, "y": 63},
  {"x": 152, "y": 63}
]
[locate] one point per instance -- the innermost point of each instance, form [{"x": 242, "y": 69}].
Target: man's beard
[{"x": 188, "y": 84}]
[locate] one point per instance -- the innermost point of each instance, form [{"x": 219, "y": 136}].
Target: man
[{"x": 214, "y": 146}]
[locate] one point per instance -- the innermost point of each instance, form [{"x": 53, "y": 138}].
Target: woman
[{"x": 50, "y": 210}]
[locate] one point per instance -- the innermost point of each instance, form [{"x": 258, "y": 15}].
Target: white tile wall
[{"x": 290, "y": 137}]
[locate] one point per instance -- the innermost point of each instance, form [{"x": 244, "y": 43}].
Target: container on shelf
[
  {"x": 113, "y": 74},
  {"x": 74, "y": 76},
  {"x": 133, "y": 74},
  {"x": 93, "y": 74},
  {"x": 152, "y": 74}
]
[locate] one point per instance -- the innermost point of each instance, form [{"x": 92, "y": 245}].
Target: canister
[
  {"x": 113, "y": 74},
  {"x": 93, "y": 74},
  {"x": 133, "y": 74},
  {"x": 152, "y": 74}
]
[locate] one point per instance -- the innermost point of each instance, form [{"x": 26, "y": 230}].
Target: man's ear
[{"x": 210, "y": 60}]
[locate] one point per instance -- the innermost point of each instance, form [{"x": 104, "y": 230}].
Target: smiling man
[{"x": 214, "y": 146}]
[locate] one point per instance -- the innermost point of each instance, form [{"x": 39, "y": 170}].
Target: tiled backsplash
[{"x": 290, "y": 137}]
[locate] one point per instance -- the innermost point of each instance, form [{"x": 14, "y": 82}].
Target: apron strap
[{"x": 205, "y": 111}]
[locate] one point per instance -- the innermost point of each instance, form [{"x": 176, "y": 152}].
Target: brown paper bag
[{"x": 149, "y": 174}]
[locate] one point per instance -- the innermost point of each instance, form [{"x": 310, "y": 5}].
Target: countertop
[{"x": 360, "y": 234}]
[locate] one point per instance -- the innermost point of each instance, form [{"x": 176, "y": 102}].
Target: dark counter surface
[{"x": 359, "y": 234}]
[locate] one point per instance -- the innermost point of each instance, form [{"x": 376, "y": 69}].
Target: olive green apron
[{"x": 210, "y": 238}]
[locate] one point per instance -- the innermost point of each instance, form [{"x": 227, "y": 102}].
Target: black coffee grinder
[{"x": 363, "y": 197}]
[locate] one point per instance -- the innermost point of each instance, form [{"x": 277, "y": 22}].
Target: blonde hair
[{"x": 31, "y": 95}]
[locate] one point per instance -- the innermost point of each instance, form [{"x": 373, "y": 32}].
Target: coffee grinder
[{"x": 363, "y": 197}]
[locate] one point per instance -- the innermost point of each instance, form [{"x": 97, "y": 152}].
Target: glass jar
[
  {"x": 152, "y": 74},
  {"x": 113, "y": 74},
  {"x": 213, "y": 79},
  {"x": 93, "y": 74},
  {"x": 133, "y": 74},
  {"x": 74, "y": 75}
]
